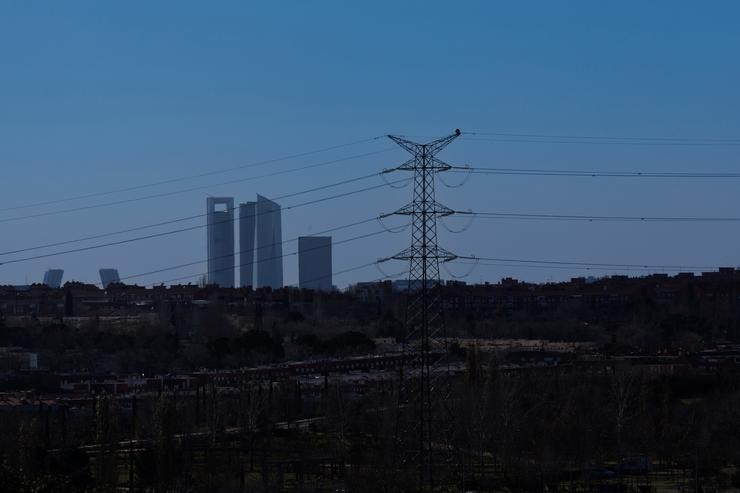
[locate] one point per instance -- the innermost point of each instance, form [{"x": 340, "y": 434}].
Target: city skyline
[{"x": 143, "y": 113}]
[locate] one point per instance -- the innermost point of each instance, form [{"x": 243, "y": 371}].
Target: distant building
[
  {"x": 53, "y": 278},
  {"x": 12, "y": 358},
  {"x": 247, "y": 225},
  {"x": 405, "y": 285},
  {"x": 314, "y": 262},
  {"x": 109, "y": 276},
  {"x": 220, "y": 213},
  {"x": 269, "y": 244},
  {"x": 377, "y": 291}
]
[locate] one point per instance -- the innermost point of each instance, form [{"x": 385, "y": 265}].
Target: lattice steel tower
[{"x": 422, "y": 380}]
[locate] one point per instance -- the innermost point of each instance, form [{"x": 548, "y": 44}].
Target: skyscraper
[
  {"x": 314, "y": 262},
  {"x": 247, "y": 223},
  {"x": 109, "y": 276},
  {"x": 269, "y": 244},
  {"x": 220, "y": 213},
  {"x": 53, "y": 278}
]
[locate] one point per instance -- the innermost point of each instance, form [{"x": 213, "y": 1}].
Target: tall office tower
[
  {"x": 247, "y": 221},
  {"x": 269, "y": 244},
  {"x": 53, "y": 278},
  {"x": 314, "y": 262},
  {"x": 109, "y": 276},
  {"x": 220, "y": 212}
]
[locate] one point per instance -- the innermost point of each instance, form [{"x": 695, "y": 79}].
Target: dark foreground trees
[{"x": 544, "y": 429}]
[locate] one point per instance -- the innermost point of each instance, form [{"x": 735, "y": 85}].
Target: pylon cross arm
[
  {"x": 439, "y": 144},
  {"x": 407, "y": 166},
  {"x": 411, "y": 147},
  {"x": 429, "y": 208},
  {"x": 430, "y": 148},
  {"x": 438, "y": 165},
  {"x": 433, "y": 253}
]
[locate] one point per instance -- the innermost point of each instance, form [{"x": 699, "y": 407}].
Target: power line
[
  {"x": 588, "y": 264},
  {"x": 203, "y": 261},
  {"x": 562, "y": 267},
  {"x": 606, "y": 138},
  {"x": 177, "y": 220},
  {"x": 191, "y": 189},
  {"x": 191, "y": 228},
  {"x": 345, "y": 271},
  {"x": 190, "y": 177},
  {"x": 592, "y": 142},
  {"x": 590, "y": 218},
  {"x": 102, "y": 235},
  {"x": 589, "y": 173},
  {"x": 336, "y": 273},
  {"x": 320, "y": 278},
  {"x": 352, "y": 269},
  {"x": 276, "y": 257}
]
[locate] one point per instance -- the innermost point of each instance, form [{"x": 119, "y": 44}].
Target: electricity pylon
[{"x": 423, "y": 386}]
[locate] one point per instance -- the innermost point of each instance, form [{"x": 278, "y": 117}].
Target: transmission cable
[
  {"x": 563, "y": 267},
  {"x": 594, "y": 218},
  {"x": 276, "y": 257},
  {"x": 217, "y": 257},
  {"x": 191, "y": 189},
  {"x": 191, "y": 228},
  {"x": 190, "y": 177},
  {"x": 177, "y": 220},
  {"x": 531, "y": 141},
  {"x": 592, "y": 137},
  {"x": 589, "y": 173},
  {"x": 586, "y": 264},
  {"x": 350, "y": 269}
]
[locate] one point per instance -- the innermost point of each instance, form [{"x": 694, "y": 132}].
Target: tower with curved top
[{"x": 269, "y": 244}]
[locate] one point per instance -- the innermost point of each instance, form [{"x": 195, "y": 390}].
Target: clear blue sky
[{"x": 100, "y": 95}]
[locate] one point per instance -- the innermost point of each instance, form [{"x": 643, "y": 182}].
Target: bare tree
[{"x": 625, "y": 387}]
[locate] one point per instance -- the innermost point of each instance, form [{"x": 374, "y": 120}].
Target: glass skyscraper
[
  {"x": 109, "y": 276},
  {"x": 53, "y": 278},
  {"x": 220, "y": 214},
  {"x": 247, "y": 225},
  {"x": 269, "y": 244}
]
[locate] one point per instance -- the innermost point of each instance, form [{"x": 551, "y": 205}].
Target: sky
[{"x": 99, "y": 96}]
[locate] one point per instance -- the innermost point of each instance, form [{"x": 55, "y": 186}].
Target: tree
[
  {"x": 106, "y": 436},
  {"x": 30, "y": 452},
  {"x": 258, "y": 314},
  {"x": 351, "y": 342},
  {"x": 389, "y": 325},
  {"x": 625, "y": 390},
  {"x": 471, "y": 327},
  {"x": 9, "y": 477},
  {"x": 165, "y": 449},
  {"x": 472, "y": 366},
  {"x": 471, "y": 424},
  {"x": 69, "y": 307}
]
